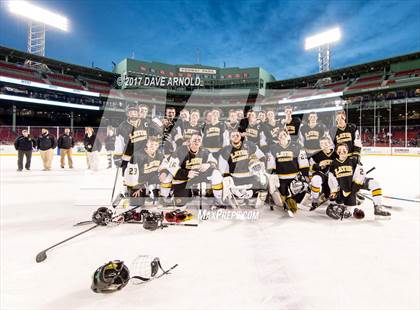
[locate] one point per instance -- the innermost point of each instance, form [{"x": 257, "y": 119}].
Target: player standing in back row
[
  {"x": 310, "y": 134},
  {"x": 346, "y": 133},
  {"x": 291, "y": 123}
]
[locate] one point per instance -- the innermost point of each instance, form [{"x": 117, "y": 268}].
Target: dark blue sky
[{"x": 269, "y": 34}]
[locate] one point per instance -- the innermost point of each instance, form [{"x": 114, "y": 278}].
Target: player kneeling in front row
[
  {"x": 346, "y": 178},
  {"x": 192, "y": 165},
  {"x": 142, "y": 173},
  {"x": 242, "y": 165},
  {"x": 288, "y": 160},
  {"x": 320, "y": 163}
]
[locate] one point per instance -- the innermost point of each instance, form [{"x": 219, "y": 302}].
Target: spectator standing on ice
[
  {"x": 24, "y": 145},
  {"x": 92, "y": 146},
  {"x": 65, "y": 144},
  {"x": 46, "y": 144}
]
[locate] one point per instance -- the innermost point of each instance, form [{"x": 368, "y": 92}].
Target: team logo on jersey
[
  {"x": 343, "y": 171},
  {"x": 239, "y": 155},
  {"x": 312, "y": 135},
  {"x": 284, "y": 156},
  {"x": 193, "y": 163},
  {"x": 344, "y": 137}
]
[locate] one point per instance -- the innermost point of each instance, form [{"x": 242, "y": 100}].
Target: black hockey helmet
[
  {"x": 152, "y": 220},
  {"x": 110, "y": 277},
  {"x": 102, "y": 216}
]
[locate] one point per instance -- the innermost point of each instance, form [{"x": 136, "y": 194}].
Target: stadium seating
[
  {"x": 335, "y": 87},
  {"x": 19, "y": 72},
  {"x": 96, "y": 85},
  {"x": 368, "y": 80},
  {"x": 406, "y": 76},
  {"x": 64, "y": 80}
]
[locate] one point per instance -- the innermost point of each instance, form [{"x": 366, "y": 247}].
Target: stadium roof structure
[
  {"x": 17, "y": 56},
  {"x": 346, "y": 72}
]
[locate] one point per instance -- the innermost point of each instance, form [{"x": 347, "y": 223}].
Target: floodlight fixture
[
  {"x": 322, "y": 41},
  {"x": 38, "y": 18},
  {"x": 323, "y": 38}
]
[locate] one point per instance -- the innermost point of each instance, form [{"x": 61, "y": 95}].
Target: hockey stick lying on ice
[
  {"x": 41, "y": 256},
  {"x": 395, "y": 198},
  {"x": 371, "y": 199},
  {"x": 402, "y": 199}
]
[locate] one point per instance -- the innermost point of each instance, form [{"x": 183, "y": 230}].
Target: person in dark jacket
[
  {"x": 66, "y": 143},
  {"x": 92, "y": 147},
  {"x": 110, "y": 145},
  {"x": 24, "y": 145},
  {"x": 46, "y": 144}
]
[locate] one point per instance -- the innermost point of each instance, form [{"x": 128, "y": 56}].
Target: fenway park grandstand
[{"x": 382, "y": 97}]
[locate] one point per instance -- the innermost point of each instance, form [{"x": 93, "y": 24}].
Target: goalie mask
[
  {"x": 146, "y": 267},
  {"x": 110, "y": 277}
]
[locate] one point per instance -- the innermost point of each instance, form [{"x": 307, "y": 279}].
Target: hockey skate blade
[
  {"x": 41, "y": 257},
  {"x": 382, "y": 218}
]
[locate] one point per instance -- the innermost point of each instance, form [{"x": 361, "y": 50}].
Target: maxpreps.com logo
[{"x": 228, "y": 215}]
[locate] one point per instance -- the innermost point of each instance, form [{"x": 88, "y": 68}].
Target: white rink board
[{"x": 309, "y": 262}]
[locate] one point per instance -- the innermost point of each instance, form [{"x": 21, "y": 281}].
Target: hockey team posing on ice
[{"x": 283, "y": 162}]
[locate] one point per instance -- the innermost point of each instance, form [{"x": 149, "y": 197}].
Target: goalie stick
[
  {"x": 41, "y": 256},
  {"x": 115, "y": 184}
]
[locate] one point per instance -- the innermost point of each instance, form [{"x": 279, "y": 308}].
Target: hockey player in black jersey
[
  {"x": 347, "y": 177},
  {"x": 131, "y": 134},
  {"x": 215, "y": 135},
  {"x": 346, "y": 133},
  {"x": 168, "y": 131},
  {"x": 252, "y": 131},
  {"x": 232, "y": 123},
  {"x": 271, "y": 128},
  {"x": 182, "y": 122},
  {"x": 320, "y": 165},
  {"x": 142, "y": 175},
  {"x": 191, "y": 165},
  {"x": 291, "y": 123},
  {"x": 288, "y": 160},
  {"x": 189, "y": 128},
  {"x": 262, "y": 117},
  {"x": 310, "y": 134},
  {"x": 235, "y": 161}
]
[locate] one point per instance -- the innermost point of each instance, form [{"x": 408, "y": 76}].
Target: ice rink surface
[{"x": 308, "y": 262}]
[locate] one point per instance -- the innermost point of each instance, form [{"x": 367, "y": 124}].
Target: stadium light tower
[
  {"x": 322, "y": 41},
  {"x": 38, "y": 18}
]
